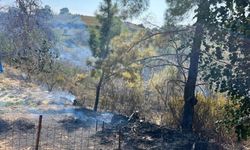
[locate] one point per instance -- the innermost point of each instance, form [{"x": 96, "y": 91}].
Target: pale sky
[{"x": 155, "y": 13}]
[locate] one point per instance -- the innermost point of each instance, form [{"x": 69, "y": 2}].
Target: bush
[
  {"x": 208, "y": 112},
  {"x": 119, "y": 96}
]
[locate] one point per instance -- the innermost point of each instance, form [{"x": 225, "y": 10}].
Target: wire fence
[{"x": 40, "y": 136}]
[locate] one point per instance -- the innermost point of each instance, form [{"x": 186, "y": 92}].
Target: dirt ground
[
  {"x": 73, "y": 134},
  {"x": 144, "y": 135},
  {"x": 66, "y": 134},
  {"x": 66, "y": 127}
]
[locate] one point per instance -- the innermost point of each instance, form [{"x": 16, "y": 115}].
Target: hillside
[
  {"x": 21, "y": 98},
  {"x": 73, "y": 37},
  {"x": 89, "y": 20},
  {"x": 21, "y": 103}
]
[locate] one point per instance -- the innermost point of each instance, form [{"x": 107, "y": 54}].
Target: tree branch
[
  {"x": 162, "y": 55},
  {"x": 154, "y": 34}
]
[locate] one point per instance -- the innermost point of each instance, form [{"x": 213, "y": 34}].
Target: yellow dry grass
[{"x": 90, "y": 20}]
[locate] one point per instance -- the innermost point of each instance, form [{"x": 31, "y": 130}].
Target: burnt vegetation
[{"x": 182, "y": 85}]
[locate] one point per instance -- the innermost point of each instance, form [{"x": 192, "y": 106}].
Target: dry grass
[{"x": 90, "y": 20}]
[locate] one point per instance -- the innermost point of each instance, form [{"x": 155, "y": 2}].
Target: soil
[
  {"x": 65, "y": 126},
  {"x": 140, "y": 135}
]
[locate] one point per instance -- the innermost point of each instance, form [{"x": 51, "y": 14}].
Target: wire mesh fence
[{"x": 24, "y": 136}]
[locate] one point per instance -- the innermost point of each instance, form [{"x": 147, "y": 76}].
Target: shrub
[{"x": 208, "y": 112}]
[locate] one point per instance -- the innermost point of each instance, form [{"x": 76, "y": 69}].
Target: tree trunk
[
  {"x": 98, "y": 90},
  {"x": 189, "y": 91}
]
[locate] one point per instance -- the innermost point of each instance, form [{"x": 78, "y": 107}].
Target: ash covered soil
[
  {"x": 65, "y": 126},
  {"x": 22, "y": 99},
  {"x": 140, "y": 135}
]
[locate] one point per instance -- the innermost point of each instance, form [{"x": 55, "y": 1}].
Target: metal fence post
[
  {"x": 162, "y": 140},
  {"x": 96, "y": 125},
  {"x": 103, "y": 126},
  {"x": 38, "y": 132},
  {"x": 119, "y": 139}
]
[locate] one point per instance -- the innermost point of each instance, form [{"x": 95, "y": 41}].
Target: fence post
[
  {"x": 103, "y": 126},
  {"x": 119, "y": 139},
  {"x": 96, "y": 125},
  {"x": 162, "y": 140},
  {"x": 38, "y": 132}
]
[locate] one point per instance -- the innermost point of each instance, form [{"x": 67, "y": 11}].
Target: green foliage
[
  {"x": 100, "y": 37},
  {"x": 166, "y": 104},
  {"x": 94, "y": 42},
  {"x": 64, "y": 11},
  {"x": 179, "y": 7},
  {"x": 226, "y": 61},
  {"x": 13, "y": 104},
  {"x": 109, "y": 61},
  {"x": 132, "y": 8},
  {"x": 27, "y": 38},
  {"x": 119, "y": 96},
  {"x": 226, "y": 53},
  {"x": 46, "y": 58},
  {"x": 123, "y": 81},
  {"x": 5, "y": 44},
  {"x": 207, "y": 113},
  {"x": 106, "y": 18}
]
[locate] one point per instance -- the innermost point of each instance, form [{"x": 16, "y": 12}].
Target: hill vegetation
[
  {"x": 191, "y": 78},
  {"x": 90, "y": 20}
]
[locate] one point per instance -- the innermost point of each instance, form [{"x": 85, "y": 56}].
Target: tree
[
  {"x": 100, "y": 41},
  {"x": 226, "y": 61},
  {"x": 110, "y": 27},
  {"x": 178, "y": 9},
  {"x": 64, "y": 11},
  {"x": 26, "y": 29},
  {"x": 124, "y": 80},
  {"x": 46, "y": 65},
  {"x": 132, "y": 8}
]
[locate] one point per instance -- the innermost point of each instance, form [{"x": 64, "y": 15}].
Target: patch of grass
[
  {"x": 3, "y": 89},
  {"x": 11, "y": 96},
  {"x": 8, "y": 104},
  {"x": 30, "y": 103}
]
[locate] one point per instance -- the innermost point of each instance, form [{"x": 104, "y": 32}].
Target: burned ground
[{"x": 145, "y": 135}]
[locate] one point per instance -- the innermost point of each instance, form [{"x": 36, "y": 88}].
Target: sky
[{"x": 155, "y": 13}]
